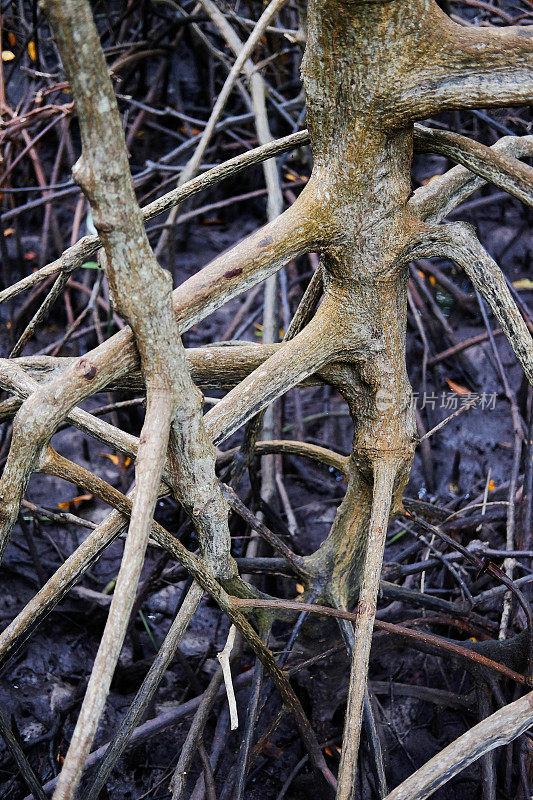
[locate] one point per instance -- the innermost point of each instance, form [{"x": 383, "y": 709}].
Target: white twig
[{"x": 224, "y": 657}]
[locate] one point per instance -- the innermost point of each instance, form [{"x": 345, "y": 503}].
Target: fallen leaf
[
  {"x": 115, "y": 459},
  {"x": 12, "y": 39},
  {"x": 32, "y": 51},
  {"x": 428, "y": 180},
  {"x": 270, "y": 750},
  {"x": 457, "y": 388},
  {"x": 68, "y": 505},
  {"x": 112, "y": 457},
  {"x": 7, "y": 55},
  {"x": 9, "y": 231},
  {"x": 492, "y": 486},
  {"x": 299, "y": 588}
]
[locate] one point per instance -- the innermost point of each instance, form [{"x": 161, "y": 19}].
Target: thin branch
[
  {"x": 257, "y": 525},
  {"x": 313, "y": 451},
  {"x": 252, "y": 713},
  {"x": 384, "y": 476},
  {"x": 193, "y": 164},
  {"x": 194, "y": 734},
  {"x": 224, "y": 659},
  {"x": 20, "y": 759},
  {"x": 40, "y": 314},
  {"x": 436, "y": 642}
]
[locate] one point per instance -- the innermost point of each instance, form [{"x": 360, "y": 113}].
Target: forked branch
[
  {"x": 441, "y": 195},
  {"x": 458, "y": 242},
  {"x": 502, "y": 170}
]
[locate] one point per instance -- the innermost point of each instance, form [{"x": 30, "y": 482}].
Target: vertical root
[
  {"x": 150, "y": 459},
  {"x": 384, "y": 476},
  {"x": 147, "y": 690}
]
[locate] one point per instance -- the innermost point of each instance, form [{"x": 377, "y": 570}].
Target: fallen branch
[{"x": 502, "y": 727}]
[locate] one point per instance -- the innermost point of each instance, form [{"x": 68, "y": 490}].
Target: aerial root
[
  {"x": 434, "y": 201},
  {"x": 385, "y": 471},
  {"x": 458, "y": 242},
  {"x": 504, "y": 171}
]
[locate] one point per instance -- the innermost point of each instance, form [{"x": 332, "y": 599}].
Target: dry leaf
[
  {"x": 523, "y": 283},
  {"x": 428, "y": 180},
  {"x": 115, "y": 459},
  {"x": 32, "y": 51},
  {"x": 457, "y": 388},
  {"x": 7, "y": 55},
  {"x": 112, "y": 457},
  {"x": 69, "y": 505}
]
